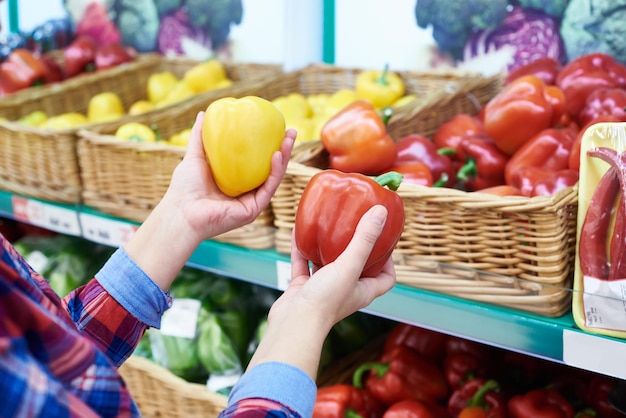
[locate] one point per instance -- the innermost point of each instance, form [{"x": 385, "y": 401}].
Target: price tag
[
  {"x": 46, "y": 215},
  {"x": 181, "y": 319},
  {"x": 283, "y": 271},
  {"x": 595, "y": 353},
  {"x": 106, "y": 231}
]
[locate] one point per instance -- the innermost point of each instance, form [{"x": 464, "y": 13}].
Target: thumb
[
  {"x": 368, "y": 230},
  {"x": 194, "y": 146}
]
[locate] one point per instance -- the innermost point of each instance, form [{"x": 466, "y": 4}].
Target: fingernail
[{"x": 379, "y": 215}]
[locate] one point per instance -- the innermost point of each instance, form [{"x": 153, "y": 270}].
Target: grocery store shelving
[{"x": 556, "y": 339}]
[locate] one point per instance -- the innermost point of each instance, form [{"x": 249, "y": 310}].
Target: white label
[
  {"x": 37, "y": 260},
  {"x": 216, "y": 383},
  {"x": 46, "y": 216},
  {"x": 106, "y": 231},
  {"x": 595, "y": 353},
  {"x": 283, "y": 273},
  {"x": 181, "y": 319},
  {"x": 605, "y": 303}
]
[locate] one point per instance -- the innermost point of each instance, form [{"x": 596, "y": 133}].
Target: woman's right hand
[{"x": 301, "y": 318}]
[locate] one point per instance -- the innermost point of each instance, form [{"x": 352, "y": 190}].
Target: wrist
[{"x": 162, "y": 244}]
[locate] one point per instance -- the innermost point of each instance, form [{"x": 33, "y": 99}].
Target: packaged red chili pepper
[{"x": 600, "y": 268}]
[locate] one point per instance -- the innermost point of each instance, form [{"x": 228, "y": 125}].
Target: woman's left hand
[{"x": 207, "y": 210}]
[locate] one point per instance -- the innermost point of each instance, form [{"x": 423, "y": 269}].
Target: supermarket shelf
[{"x": 556, "y": 339}]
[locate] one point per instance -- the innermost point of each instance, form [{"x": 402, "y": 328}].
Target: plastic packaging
[{"x": 599, "y": 300}]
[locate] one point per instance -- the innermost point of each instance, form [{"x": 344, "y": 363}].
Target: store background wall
[
  {"x": 487, "y": 36},
  {"x": 287, "y": 32}
]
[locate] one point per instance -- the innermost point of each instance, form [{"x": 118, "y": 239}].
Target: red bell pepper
[
  {"x": 23, "y": 69},
  {"x": 554, "y": 182},
  {"x": 357, "y": 141},
  {"x": 548, "y": 149},
  {"x": 503, "y": 190},
  {"x": 597, "y": 396},
  {"x": 484, "y": 164},
  {"x": 518, "y": 112},
  {"x": 538, "y": 181},
  {"x": 6, "y": 87},
  {"x": 428, "y": 343},
  {"x": 345, "y": 401},
  {"x": 462, "y": 345},
  {"x": 461, "y": 366},
  {"x": 111, "y": 55},
  {"x": 546, "y": 68},
  {"x": 402, "y": 374},
  {"x": 418, "y": 148},
  {"x": 79, "y": 56},
  {"x": 604, "y": 101},
  {"x": 520, "y": 372},
  {"x": 540, "y": 403},
  {"x": 414, "y": 172},
  {"x": 450, "y": 134},
  {"x": 574, "y": 159},
  {"x": 583, "y": 75},
  {"x": 55, "y": 71},
  {"x": 478, "y": 393},
  {"x": 330, "y": 208},
  {"x": 415, "y": 409}
]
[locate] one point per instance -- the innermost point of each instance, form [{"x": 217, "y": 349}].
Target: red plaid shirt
[{"x": 60, "y": 357}]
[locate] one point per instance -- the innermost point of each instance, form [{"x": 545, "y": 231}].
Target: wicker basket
[
  {"x": 44, "y": 163},
  {"x": 127, "y": 179},
  {"x": 511, "y": 251},
  {"x": 323, "y": 78},
  {"x": 159, "y": 393}
]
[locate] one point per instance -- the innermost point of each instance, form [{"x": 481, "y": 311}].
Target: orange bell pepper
[
  {"x": 356, "y": 139},
  {"x": 521, "y": 110},
  {"x": 23, "y": 69}
]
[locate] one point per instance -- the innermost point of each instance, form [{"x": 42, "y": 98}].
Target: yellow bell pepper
[
  {"x": 160, "y": 84},
  {"x": 141, "y": 106},
  {"x": 381, "y": 88},
  {"x": 35, "y": 118},
  {"x": 227, "y": 82},
  {"x": 318, "y": 102},
  {"x": 404, "y": 100},
  {"x": 240, "y": 136},
  {"x": 205, "y": 76},
  {"x": 338, "y": 100},
  {"x": 304, "y": 127},
  {"x": 293, "y": 105},
  {"x": 105, "y": 106},
  {"x": 181, "y": 138},
  {"x": 136, "y": 132},
  {"x": 180, "y": 91},
  {"x": 68, "y": 120}
]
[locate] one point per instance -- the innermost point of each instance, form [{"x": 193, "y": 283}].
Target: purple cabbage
[
  {"x": 524, "y": 36},
  {"x": 178, "y": 37}
]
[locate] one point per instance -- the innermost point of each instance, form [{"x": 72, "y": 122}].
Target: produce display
[
  {"x": 161, "y": 89},
  {"x": 525, "y": 141},
  {"x": 23, "y": 68},
  {"x": 423, "y": 373},
  {"x": 308, "y": 114}
]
